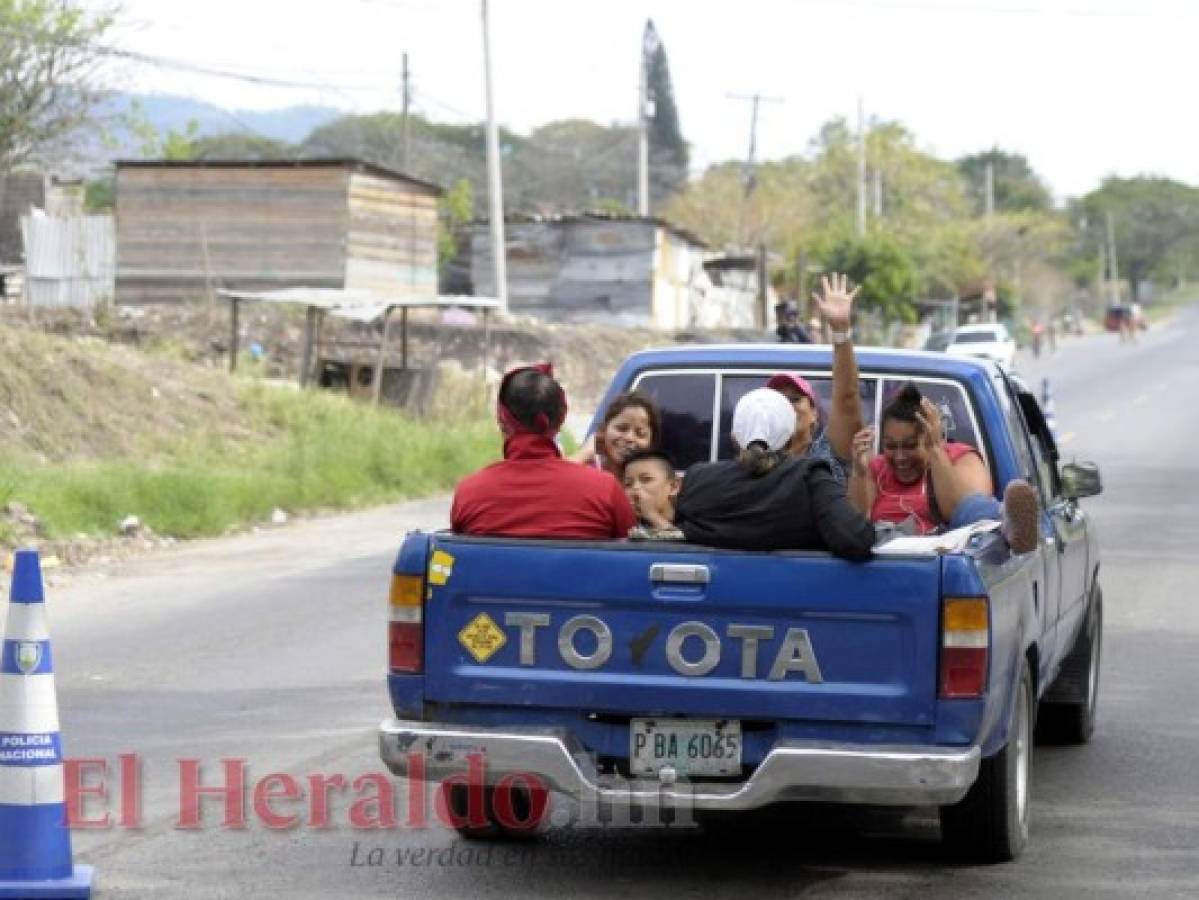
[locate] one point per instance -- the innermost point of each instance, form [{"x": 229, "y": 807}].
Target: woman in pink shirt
[{"x": 917, "y": 464}]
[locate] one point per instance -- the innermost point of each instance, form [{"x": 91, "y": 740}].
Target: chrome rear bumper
[{"x": 793, "y": 770}]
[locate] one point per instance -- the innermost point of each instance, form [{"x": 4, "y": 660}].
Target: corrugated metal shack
[
  {"x": 625, "y": 270},
  {"x": 68, "y": 261},
  {"x": 186, "y": 229}
]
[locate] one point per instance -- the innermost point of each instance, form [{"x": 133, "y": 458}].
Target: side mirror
[{"x": 1081, "y": 480}]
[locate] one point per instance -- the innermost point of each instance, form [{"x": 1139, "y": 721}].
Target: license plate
[{"x": 689, "y": 746}]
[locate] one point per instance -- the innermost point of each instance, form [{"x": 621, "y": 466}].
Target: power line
[{"x": 200, "y": 69}]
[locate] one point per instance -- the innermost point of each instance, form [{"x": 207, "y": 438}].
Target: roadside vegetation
[{"x": 97, "y": 433}]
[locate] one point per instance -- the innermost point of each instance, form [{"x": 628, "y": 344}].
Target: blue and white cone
[
  {"x": 1047, "y": 407},
  {"x": 35, "y": 841}
]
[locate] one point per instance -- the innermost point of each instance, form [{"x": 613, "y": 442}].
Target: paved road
[{"x": 269, "y": 648}]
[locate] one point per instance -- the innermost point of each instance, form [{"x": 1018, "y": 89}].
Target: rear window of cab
[{"x": 697, "y": 406}]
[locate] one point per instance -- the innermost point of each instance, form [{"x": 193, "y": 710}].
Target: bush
[{"x": 311, "y": 451}]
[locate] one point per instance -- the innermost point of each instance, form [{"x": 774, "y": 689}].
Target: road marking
[
  {"x": 1140, "y": 399},
  {"x": 1067, "y": 438}
]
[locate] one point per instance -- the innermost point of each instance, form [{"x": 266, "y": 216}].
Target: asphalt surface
[{"x": 270, "y": 648}]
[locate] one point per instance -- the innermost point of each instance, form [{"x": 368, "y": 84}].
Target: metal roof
[
  {"x": 332, "y": 162},
  {"x": 361, "y": 306},
  {"x": 599, "y": 216},
  {"x": 785, "y": 356}
]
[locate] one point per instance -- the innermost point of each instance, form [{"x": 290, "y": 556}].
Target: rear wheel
[
  {"x": 990, "y": 824},
  {"x": 507, "y": 813},
  {"x": 1068, "y": 711}
]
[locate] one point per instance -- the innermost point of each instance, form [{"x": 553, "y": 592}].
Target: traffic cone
[
  {"x": 35, "y": 841},
  {"x": 1047, "y": 407}
]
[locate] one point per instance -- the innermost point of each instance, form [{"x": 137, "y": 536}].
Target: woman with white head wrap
[{"x": 765, "y": 499}]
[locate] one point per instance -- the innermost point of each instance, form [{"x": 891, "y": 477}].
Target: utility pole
[
  {"x": 404, "y": 119},
  {"x": 747, "y": 178},
  {"x": 1113, "y": 263},
  {"x": 1101, "y": 287},
  {"x": 861, "y": 171},
  {"x": 989, "y": 200},
  {"x": 495, "y": 193},
  {"x": 649, "y": 44}
]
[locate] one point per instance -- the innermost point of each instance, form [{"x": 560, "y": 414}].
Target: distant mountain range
[{"x": 166, "y": 112}]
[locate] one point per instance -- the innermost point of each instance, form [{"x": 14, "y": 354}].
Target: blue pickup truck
[{"x": 664, "y": 673}]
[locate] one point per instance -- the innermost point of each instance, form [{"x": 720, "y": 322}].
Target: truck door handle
[{"x": 675, "y": 573}]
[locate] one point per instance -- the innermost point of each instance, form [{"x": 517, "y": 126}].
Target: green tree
[
  {"x": 99, "y": 195},
  {"x": 669, "y": 154},
  {"x": 1155, "y": 221},
  {"x": 778, "y": 212},
  {"x": 573, "y": 165},
  {"x": 442, "y": 154},
  {"x": 153, "y": 144},
  {"x": 241, "y": 145},
  {"x": 886, "y": 273},
  {"x": 48, "y": 87},
  {"x": 1017, "y": 188},
  {"x": 455, "y": 210}
]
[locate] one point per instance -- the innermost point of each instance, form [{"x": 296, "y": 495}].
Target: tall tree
[
  {"x": 668, "y": 150},
  {"x": 1153, "y": 219},
  {"x": 1017, "y": 188},
  {"x": 573, "y": 165},
  {"x": 886, "y": 273},
  {"x": 48, "y": 82}
]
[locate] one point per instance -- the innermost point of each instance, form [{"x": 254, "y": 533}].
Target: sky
[{"x": 1083, "y": 88}]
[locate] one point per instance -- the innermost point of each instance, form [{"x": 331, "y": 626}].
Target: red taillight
[
  {"x": 406, "y": 646},
  {"x": 406, "y": 631},
  {"x": 965, "y": 647}
]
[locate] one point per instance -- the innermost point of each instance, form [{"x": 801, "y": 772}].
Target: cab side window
[
  {"x": 1015, "y": 424},
  {"x": 1045, "y": 453},
  {"x": 686, "y": 401},
  {"x": 1044, "y": 448}
]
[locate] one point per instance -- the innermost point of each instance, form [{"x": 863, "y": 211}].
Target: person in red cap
[
  {"x": 812, "y": 439},
  {"x": 533, "y": 492}
]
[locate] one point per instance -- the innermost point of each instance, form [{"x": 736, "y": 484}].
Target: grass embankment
[{"x": 193, "y": 452}]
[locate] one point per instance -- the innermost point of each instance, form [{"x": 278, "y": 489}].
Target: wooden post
[
  {"x": 234, "y": 308},
  {"x": 317, "y": 341},
  {"x": 309, "y": 334},
  {"x": 486, "y": 341},
  {"x": 377, "y": 385},
  {"x": 404, "y": 338},
  {"x": 763, "y": 288}
]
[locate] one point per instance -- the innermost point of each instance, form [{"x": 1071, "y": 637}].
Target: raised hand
[
  {"x": 932, "y": 429},
  {"x": 835, "y": 300},
  {"x": 863, "y": 450}
]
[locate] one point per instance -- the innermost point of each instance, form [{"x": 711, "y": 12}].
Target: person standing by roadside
[{"x": 790, "y": 330}]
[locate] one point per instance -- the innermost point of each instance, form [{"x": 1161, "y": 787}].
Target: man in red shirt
[{"x": 534, "y": 492}]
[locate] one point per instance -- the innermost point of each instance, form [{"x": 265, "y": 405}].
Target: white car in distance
[{"x": 985, "y": 341}]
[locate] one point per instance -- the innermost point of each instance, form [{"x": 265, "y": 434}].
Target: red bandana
[{"x": 511, "y": 425}]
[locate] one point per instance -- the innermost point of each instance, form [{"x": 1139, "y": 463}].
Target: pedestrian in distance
[{"x": 790, "y": 330}]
